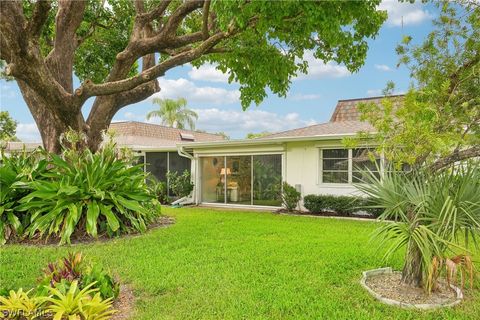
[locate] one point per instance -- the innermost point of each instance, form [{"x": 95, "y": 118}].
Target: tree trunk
[
  {"x": 412, "y": 273},
  {"x": 50, "y": 124}
]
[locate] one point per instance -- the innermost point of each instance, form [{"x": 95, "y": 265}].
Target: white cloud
[
  {"x": 374, "y": 92},
  {"x": 239, "y": 123},
  {"x": 187, "y": 89},
  {"x": 208, "y": 72},
  {"x": 28, "y": 132},
  {"x": 317, "y": 69},
  {"x": 405, "y": 13},
  {"x": 303, "y": 97},
  {"x": 383, "y": 67}
]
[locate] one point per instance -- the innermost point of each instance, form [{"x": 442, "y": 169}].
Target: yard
[{"x": 233, "y": 264}]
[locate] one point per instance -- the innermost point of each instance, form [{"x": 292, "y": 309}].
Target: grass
[{"x": 215, "y": 264}]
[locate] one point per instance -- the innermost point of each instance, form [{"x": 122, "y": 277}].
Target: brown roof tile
[
  {"x": 133, "y": 133},
  {"x": 347, "y": 110},
  {"x": 345, "y": 120}
]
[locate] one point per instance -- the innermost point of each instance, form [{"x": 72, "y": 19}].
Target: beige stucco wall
[{"x": 301, "y": 164}]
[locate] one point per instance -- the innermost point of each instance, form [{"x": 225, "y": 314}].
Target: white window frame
[{"x": 350, "y": 166}]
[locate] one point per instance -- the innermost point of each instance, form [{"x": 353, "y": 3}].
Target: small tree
[
  {"x": 174, "y": 113},
  {"x": 437, "y": 122},
  {"x": 290, "y": 197},
  {"x": 8, "y": 127},
  {"x": 434, "y": 215}
]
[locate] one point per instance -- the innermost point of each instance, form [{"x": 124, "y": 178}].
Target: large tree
[{"x": 119, "y": 48}]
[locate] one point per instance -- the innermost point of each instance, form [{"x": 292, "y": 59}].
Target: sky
[{"x": 310, "y": 100}]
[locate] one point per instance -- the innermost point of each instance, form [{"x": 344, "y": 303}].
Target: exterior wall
[{"x": 302, "y": 166}]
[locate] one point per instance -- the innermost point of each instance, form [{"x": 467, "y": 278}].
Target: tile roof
[
  {"x": 140, "y": 134},
  {"x": 347, "y": 110},
  {"x": 343, "y": 127},
  {"x": 345, "y": 120}
]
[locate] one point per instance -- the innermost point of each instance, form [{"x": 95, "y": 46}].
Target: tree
[
  {"x": 437, "y": 122},
  {"x": 118, "y": 50},
  {"x": 8, "y": 127},
  {"x": 252, "y": 135},
  {"x": 435, "y": 215},
  {"x": 174, "y": 113},
  {"x": 433, "y": 127}
]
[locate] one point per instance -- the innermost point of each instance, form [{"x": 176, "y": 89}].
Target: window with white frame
[
  {"x": 363, "y": 161},
  {"x": 347, "y": 165},
  {"x": 335, "y": 163}
]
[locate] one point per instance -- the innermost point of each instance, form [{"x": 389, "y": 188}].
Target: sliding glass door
[
  {"x": 247, "y": 180},
  {"x": 267, "y": 180}
]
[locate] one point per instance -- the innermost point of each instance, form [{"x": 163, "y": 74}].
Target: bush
[
  {"x": 340, "y": 204},
  {"x": 89, "y": 193},
  {"x": 73, "y": 267},
  {"x": 181, "y": 185},
  {"x": 15, "y": 170},
  {"x": 290, "y": 197},
  {"x": 159, "y": 189},
  {"x": 69, "y": 290}
]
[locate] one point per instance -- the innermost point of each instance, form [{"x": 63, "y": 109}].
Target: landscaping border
[{"x": 421, "y": 306}]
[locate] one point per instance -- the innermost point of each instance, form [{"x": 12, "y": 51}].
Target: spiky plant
[{"x": 435, "y": 215}]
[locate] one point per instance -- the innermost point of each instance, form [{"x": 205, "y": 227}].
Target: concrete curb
[{"x": 423, "y": 306}]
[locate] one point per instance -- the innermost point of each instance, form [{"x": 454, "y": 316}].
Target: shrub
[
  {"x": 15, "y": 170},
  {"x": 339, "y": 204},
  {"x": 181, "y": 185},
  {"x": 159, "y": 189},
  {"x": 77, "y": 302},
  {"x": 20, "y": 305},
  {"x": 73, "y": 267},
  {"x": 89, "y": 193},
  {"x": 290, "y": 197}
]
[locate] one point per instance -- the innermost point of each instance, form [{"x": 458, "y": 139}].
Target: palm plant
[
  {"x": 174, "y": 113},
  {"x": 435, "y": 215}
]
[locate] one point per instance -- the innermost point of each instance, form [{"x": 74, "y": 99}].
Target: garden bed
[
  {"x": 328, "y": 214},
  {"x": 386, "y": 286},
  {"x": 80, "y": 238}
]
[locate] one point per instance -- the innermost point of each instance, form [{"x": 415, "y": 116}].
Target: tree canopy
[
  {"x": 437, "y": 122},
  {"x": 8, "y": 127},
  {"x": 118, "y": 50}
]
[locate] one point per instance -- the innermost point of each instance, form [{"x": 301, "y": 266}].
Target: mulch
[
  {"x": 390, "y": 286},
  {"x": 83, "y": 238},
  {"x": 326, "y": 214},
  {"x": 124, "y": 304}
]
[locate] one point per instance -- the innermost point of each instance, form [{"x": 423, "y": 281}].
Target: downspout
[{"x": 190, "y": 199}]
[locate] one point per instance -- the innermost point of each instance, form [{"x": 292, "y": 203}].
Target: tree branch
[
  {"x": 206, "y": 11},
  {"x": 155, "y": 13},
  {"x": 39, "y": 17},
  {"x": 171, "y": 26},
  {"x": 458, "y": 155},
  {"x": 88, "y": 89}
]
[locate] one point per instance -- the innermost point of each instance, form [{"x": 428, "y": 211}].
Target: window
[
  {"x": 335, "y": 166},
  {"x": 348, "y": 165},
  {"x": 364, "y": 160}
]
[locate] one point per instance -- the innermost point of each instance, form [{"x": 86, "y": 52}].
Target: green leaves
[
  {"x": 436, "y": 213},
  {"x": 82, "y": 192}
]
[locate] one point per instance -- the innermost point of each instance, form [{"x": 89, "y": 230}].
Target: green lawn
[{"x": 230, "y": 265}]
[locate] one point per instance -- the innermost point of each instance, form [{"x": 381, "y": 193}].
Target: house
[
  {"x": 313, "y": 159},
  {"x": 250, "y": 172}
]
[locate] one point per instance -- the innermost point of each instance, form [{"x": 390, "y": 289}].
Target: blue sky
[{"x": 311, "y": 98}]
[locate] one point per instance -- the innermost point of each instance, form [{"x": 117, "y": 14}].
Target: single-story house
[
  {"x": 250, "y": 172},
  {"x": 313, "y": 159}
]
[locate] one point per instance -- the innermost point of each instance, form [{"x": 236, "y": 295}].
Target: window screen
[{"x": 335, "y": 166}]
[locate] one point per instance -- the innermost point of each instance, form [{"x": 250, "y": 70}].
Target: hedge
[{"x": 345, "y": 205}]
